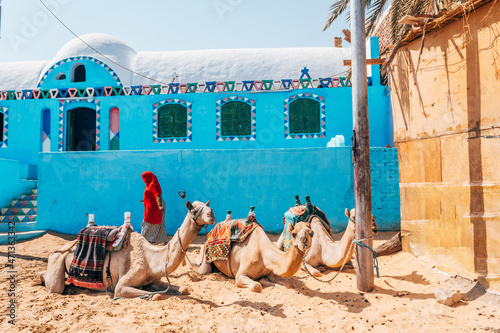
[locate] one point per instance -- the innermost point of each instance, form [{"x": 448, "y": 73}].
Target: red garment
[{"x": 152, "y": 213}]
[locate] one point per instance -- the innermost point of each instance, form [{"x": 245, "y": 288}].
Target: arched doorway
[{"x": 81, "y": 129}]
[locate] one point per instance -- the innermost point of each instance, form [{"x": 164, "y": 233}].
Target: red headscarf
[{"x": 152, "y": 212}]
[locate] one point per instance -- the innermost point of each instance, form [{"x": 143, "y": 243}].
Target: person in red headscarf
[{"x": 153, "y": 225}]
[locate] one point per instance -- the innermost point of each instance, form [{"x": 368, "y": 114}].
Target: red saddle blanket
[{"x": 219, "y": 239}]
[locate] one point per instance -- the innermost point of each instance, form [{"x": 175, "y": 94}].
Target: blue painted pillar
[{"x": 375, "y": 53}]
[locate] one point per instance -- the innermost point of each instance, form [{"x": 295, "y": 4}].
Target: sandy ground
[{"x": 403, "y": 301}]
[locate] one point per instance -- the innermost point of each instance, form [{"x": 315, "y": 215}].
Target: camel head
[
  {"x": 352, "y": 218},
  {"x": 201, "y": 213},
  {"x": 302, "y": 236}
]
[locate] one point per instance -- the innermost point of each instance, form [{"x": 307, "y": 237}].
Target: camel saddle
[
  {"x": 219, "y": 240},
  {"x": 300, "y": 213},
  {"x": 110, "y": 240}
]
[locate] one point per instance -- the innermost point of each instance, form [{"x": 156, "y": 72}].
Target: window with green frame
[
  {"x": 172, "y": 121},
  {"x": 305, "y": 116},
  {"x": 236, "y": 119}
]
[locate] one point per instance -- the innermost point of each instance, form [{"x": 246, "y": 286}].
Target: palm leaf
[
  {"x": 374, "y": 14},
  {"x": 336, "y": 9}
]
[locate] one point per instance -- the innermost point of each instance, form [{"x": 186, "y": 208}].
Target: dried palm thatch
[{"x": 426, "y": 15}]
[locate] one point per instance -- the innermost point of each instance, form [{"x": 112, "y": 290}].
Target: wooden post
[{"x": 362, "y": 181}]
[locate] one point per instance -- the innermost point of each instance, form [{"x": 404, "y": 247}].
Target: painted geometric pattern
[
  {"x": 46, "y": 131},
  {"x": 114, "y": 129},
  {"x": 189, "y": 107},
  {"x": 253, "y": 109},
  {"x": 97, "y": 104},
  {"x": 64, "y": 61},
  {"x": 322, "y": 133},
  {"x": 5, "y": 129}
]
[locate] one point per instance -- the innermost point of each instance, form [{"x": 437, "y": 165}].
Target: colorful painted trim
[
  {"x": 189, "y": 107},
  {"x": 5, "y": 129},
  {"x": 79, "y": 58},
  {"x": 97, "y": 103},
  {"x": 253, "y": 109},
  {"x": 46, "y": 130},
  {"x": 321, "y": 101},
  {"x": 177, "y": 88},
  {"x": 114, "y": 129}
]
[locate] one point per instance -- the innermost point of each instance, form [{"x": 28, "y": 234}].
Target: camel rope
[
  {"x": 340, "y": 270},
  {"x": 354, "y": 241},
  {"x": 185, "y": 253}
]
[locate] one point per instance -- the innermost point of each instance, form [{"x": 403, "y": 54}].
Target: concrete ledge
[
  {"x": 4, "y": 237},
  {"x": 18, "y": 227}
]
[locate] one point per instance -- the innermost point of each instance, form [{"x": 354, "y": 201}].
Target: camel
[
  {"x": 324, "y": 250},
  {"x": 259, "y": 258},
  {"x": 140, "y": 263}
]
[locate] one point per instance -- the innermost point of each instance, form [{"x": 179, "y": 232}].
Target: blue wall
[
  {"x": 12, "y": 184},
  {"x": 136, "y": 121},
  {"x": 109, "y": 183}
]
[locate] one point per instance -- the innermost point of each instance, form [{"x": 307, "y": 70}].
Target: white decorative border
[
  {"x": 5, "y": 129},
  {"x": 322, "y": 133},
  {"x": 189, "y": 107},
  {"x": 97, "y": 103},
  {"x": 218, "y": 105}
]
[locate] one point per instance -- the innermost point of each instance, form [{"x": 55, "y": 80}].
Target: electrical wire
[
  {"x": 97, "y": 51},
  {"x": 120, "y": 65}
]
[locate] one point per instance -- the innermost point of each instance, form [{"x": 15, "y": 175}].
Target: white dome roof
[
  {"x": 190, "y": 66},
  {"x": 108, "y": 45},
  {"x": 114, "y": 51}
]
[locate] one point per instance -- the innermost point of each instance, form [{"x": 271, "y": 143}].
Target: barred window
[
  {"x": 172, "y": 121},
  {"x": 236, "y": 119},
  {"x": 305, "y": 116}
]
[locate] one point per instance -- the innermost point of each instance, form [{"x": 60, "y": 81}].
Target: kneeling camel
[
  {"x": 324, "y": 250},
  {"x": 139, "y": 264},
  {"x": 259, "y": 258}
]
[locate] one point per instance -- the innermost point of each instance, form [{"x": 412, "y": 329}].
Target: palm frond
[
  {"x": 336, "y": 9},
  {"x": 399, "y": 9},
  {"x": 375, "y": 12}
]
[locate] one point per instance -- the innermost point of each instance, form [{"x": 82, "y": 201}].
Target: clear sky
[{"x": 29, "y": 32}]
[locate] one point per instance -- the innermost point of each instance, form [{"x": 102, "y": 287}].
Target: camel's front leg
[
  {"x": 280, "y": 242},
  {"x": 172, "y": 290},
  {"x": 308, "y": 268},
  {"x": 55, "y": 275},
  {"x": 126, "y": 286},
  {"x": 205, "y": 268},
  {"x": 243, "y": 281},
  {"x": 277, "y": 281}
]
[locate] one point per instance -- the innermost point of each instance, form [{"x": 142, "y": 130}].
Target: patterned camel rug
[{"x": 219, "y": 239}]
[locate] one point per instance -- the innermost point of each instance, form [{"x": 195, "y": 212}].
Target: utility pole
[{"x": 361, "y": 149}]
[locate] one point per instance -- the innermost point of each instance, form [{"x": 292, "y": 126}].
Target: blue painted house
[{"x": 236, "y": 127}]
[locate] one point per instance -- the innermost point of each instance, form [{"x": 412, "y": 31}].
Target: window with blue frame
[
  {"x": 236, "y": 119},
  {"x": 305, "y": 116},
  {"x": 172, "y": 121}
]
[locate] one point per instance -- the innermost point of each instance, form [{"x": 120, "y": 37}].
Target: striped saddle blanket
[
  {"x": 219, "y": 239},
  {"x": 86, "y": 269}
]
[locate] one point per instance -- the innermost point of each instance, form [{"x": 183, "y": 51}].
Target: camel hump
[{"x": 68, "y": 246}]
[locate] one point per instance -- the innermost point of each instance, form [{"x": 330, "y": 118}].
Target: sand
[{"x": 402, "y": 301}]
